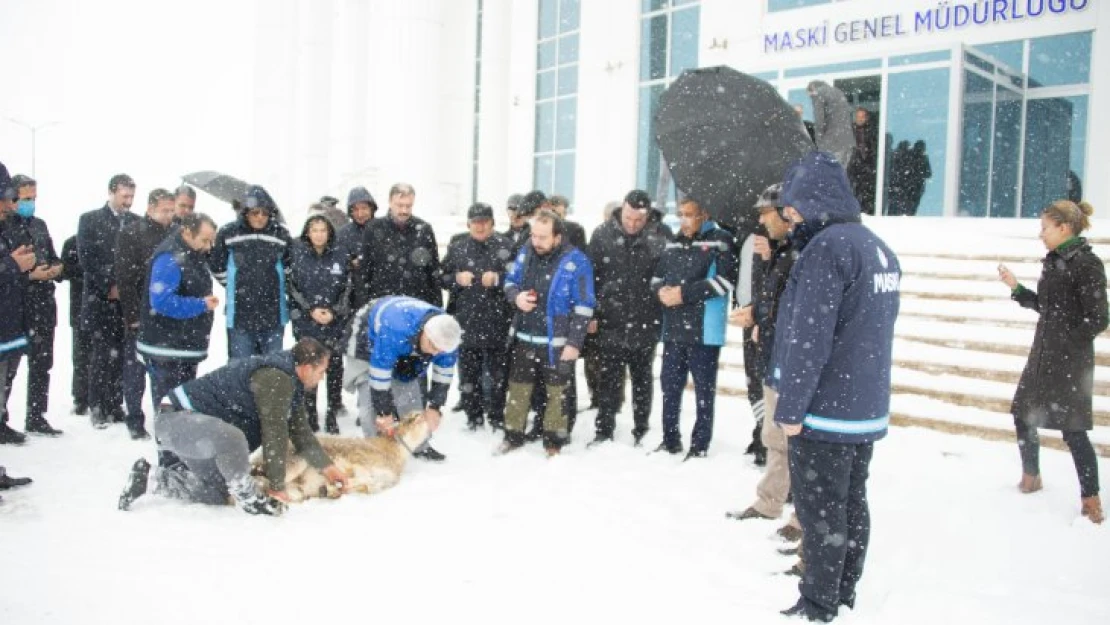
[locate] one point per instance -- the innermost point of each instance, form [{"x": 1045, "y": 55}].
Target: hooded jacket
[
  {"x": 705, "y": 267},
  {"x": 253, "y": 265},
  {"x": 350, "y": 239},
  {"x": 628, "y": 313},
  {"x": 835, "y": 327},
  {"x": 319, "y": 280}
]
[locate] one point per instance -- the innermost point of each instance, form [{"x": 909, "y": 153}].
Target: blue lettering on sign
[{"x": 944, "y": 16}]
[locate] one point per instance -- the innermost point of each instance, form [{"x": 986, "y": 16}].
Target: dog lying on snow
[{"x": 371, "y": 464}]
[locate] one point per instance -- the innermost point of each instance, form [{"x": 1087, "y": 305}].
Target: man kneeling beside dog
[{"x": 213, "y": 424}]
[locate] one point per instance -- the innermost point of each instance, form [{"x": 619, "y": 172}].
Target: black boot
[
  {"x": 673, "y": 449},
  {"x": 430, "y": 454},
  {"x": 536, "y": 433},
  {"x": 36, "y": 424},
  {"x": 761, "y": 456},
  {"x": 99, "y": 419},
  {"x": 638, "y": 436},
  {"x": 80, "y": 408},
  {"x": 7, "y": 481},
  {"x": 599, "y": 439},
  {"x": 251, "y": 501},
  {"x": 512, "y": 442},
  {"x": 331, "y": 426},
  {"x": 136, "y": 483},
  {"x": 136, "y": 428},
  {"x": 310, "y": 411},
  {"x": 9, "y": 436}
]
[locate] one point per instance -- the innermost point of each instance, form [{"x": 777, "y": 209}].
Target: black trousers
[
  {"x": 42, "y": 317},
  {"x": 1082, "y": 454},
  {"x": 334, "y": 386},
  {"x": 829, "y": 482},
  {"x": 612, "y": 363},
  {"x": 79, "y": 386},
  {"x": 474, "y": 364},
  {"x": 104, "y": 325},
  {"x": 9, "y": 365},
  {"x": 755, "y": 375}
]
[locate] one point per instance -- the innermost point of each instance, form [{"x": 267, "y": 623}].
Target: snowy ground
[
  {"x": 609, "y": 534},
  {"x": 590, "y": 536}
]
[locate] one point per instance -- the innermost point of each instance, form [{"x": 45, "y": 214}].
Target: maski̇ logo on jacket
[{"x": 886, "y": 282}]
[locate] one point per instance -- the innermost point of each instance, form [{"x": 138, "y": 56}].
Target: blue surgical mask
[{"x": 25, "y": 208}]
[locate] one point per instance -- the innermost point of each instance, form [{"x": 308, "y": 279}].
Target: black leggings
[{"x": 1082, "y": 453}]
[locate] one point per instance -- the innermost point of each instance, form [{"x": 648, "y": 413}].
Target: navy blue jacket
[
  {"x": 13, "y": 286},
  {"x": 174, "y": 321},
  {"x": 835, "y": 325},
  {"x": 319, "y": 281},
  {"x": 705, "y": 267},
  {"x": 226, "y": 393},
  {"x": 566, "y": 297},
  {"x": 253, "y": 266}
]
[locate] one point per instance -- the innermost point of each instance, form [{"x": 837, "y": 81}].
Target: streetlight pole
[{"x": 34, "y": 132}]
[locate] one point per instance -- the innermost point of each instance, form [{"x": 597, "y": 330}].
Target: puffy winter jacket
[
  {"x": 402, "y": 260},
  {"x": 482, "y": 311},
  {"x": 628, "y": 313},
  {"x": 705, "y": 267},
  {"x": 253, "y": 265}
]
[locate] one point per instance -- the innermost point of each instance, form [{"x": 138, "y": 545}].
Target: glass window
[
  {"x": 649, "y": 6},
  {"x": 785, "y": 5},
  {"x": 801, "y": 97},
  {"x": 1060, "y": 60},
  {"x": 647, "y": 155},
  {"x": 653, "y": 48},
  {"x": 916, "y": 145},
  {"x": 924, "y": 57},
  {"x": 1055, "y": 150},
  {"x": 1008, "y": 53},
  {"x": 975, "y": 156},
  {"x": 544, "y": 172},
  {"x": 767, "y": 76},
  {"x": 566, "y": 123},
  {"x": 545, "y": 126},
  {"x": 833, "y": 68},
  {"x": 1006, "y": 152},
  {"x": 564, "y": 175},
  {"x": 545, "y": 85},
  {"x": 568, "y": 49},
  {"x": 568, "y": 79},
  {"x": 545, "y": 55},
  {"x": 548, "y": 19},
  {"x": 684, "y": 40},
  {"x": 568, "y": 15}
]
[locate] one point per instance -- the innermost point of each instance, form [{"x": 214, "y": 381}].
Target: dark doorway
[{"x": 864, "y": 92}]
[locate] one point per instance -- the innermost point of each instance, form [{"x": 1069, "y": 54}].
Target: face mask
[{"x": 25, "y": 208}]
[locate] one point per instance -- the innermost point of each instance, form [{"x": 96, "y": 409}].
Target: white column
[{"x": 494, "y": 181}]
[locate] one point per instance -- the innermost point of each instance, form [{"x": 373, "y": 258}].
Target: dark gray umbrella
[
  {"x": 726, "y": 137},
  {"x": 221, "y": 186},
  {"x": 226, "y": 188}
]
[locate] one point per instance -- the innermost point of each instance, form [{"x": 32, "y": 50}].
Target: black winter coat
[
  {"x": 320, "y": 281},
  {"x": 482, "y": 311},
  {"x": 350, "y": 238},
  {"x": 628, "y": 314},
  {"x": 97, "y": 232},
  {"x": 1056, "y": 386},
  {"x": 40, "y": 307},
  {"x": 13, "y": 287},
  {"x": 71, "y": 271},
  {"x": 137, "y": 241},
  {"x": 402, "y": 260}
]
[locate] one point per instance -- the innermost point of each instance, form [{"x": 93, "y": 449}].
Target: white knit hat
[{"x": 444, "y": 332}]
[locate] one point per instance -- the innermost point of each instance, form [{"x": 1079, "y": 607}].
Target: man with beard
[{"x": 552, "y": 287}]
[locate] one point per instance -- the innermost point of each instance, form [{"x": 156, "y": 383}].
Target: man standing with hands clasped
[{"x": 831, "y": 366}]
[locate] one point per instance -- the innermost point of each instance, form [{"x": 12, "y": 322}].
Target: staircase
[{"x": 960, "y": 342}]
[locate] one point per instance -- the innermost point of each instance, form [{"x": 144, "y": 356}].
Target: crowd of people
[{"x": 375, "y": 311}]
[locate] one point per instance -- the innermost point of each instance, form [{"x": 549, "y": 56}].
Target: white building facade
[{"x": 476, "y": 99}]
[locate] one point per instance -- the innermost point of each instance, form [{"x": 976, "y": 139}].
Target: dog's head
[{"x": 413, "y": 430}]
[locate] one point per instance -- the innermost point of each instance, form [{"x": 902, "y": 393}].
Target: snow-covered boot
[
  {"x": 252, "y": 501},
  {"x": 136, "y": 484}
]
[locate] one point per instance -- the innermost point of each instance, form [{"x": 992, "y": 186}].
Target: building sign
[{"x": 945, "y": 16}]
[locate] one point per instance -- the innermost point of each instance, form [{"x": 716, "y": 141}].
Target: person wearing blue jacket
[
  {"x": 831, "y": 367},
  {"x": 251, "y": 258},
  {"x": 693, "y": 280},
  {"x": 551, "y": 286},
  {"x": 391, "y": 343},
  {"x": 319, "y": 291},
  {"x": 175, "y": 320}
]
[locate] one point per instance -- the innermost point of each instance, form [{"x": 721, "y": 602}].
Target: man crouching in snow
[
  {"x": 213, "y": 424},
  {"x": 831, "y": 366},
  {"x": 390, "y": 345}
]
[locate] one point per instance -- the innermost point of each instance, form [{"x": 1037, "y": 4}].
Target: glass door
[{"x": 992, "y": 104}]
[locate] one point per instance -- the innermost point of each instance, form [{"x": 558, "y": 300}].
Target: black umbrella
[
  {"x": 221, "y": 186},
  {"x": 226, "y": 188},
  {"x": 726, "y": 137}
]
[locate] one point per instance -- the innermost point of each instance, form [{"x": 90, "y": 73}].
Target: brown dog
[{"x": 371, "y": 464}]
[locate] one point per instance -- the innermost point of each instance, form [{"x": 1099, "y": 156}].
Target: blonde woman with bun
[{"x": 1056, "y": 386}]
